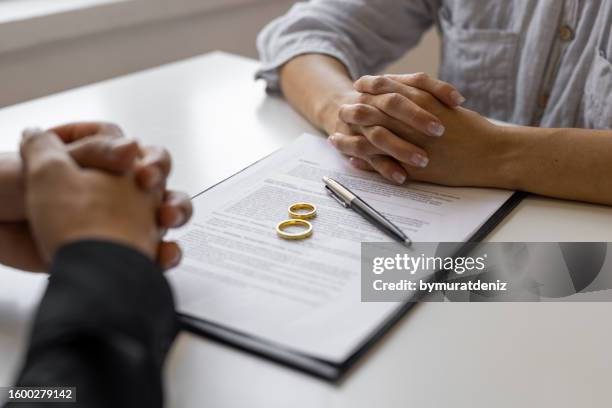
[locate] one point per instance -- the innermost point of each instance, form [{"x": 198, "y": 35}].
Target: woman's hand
[
  {"x": 372, "y": 111},
  {"x": 471, "y": 152}
]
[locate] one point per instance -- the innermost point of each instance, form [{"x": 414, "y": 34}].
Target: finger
[
  {"x": 388, "y": 168},
  {"x": 361, "y": 148},
  {"x": 44, "y": 156},
  {"x": 444, "y": 91},
  {"x": 169, "y": 255},
  {"x": 154, "y": 167},
  {"x": 175, "y": 211},
  {"x": 76, "y": 131},
  {"x": 360, "y": 164},
  {"x": 116, "y": 155},
  {"x": 98, "y": 145},
  {"x": 374, "y": 124},
  {"x": 352, "y": 145},
  {"x": 362, "y": 114},
  {"x": 404, "y": 109},
  {"x": 396, "y": 147}
]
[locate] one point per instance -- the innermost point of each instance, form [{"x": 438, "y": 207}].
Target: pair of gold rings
[{"x": 298, "y": 218}]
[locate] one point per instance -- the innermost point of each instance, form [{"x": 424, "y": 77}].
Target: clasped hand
[
  {"x": 86, "y": 181},
  {"x": 411, "y": 126}
]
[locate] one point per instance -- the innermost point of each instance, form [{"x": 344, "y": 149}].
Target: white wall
[
  {"x": 49, "y": 68},
  {"x": 45, "y": 69}
]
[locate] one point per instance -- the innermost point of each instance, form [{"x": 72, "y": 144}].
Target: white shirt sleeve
[{"x": 365, "y": 35}]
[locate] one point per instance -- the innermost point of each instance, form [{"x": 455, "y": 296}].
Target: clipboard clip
[{"x": 335, "y": 197}]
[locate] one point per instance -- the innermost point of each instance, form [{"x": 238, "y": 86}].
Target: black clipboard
[{"x": 326, "y": 370}]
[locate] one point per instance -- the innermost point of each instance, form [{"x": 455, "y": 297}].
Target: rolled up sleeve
[{"x": 365, "y": 35}]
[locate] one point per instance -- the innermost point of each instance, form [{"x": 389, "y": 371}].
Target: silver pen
[{"x": 348, "y": 199}]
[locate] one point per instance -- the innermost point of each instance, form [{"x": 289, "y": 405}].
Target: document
[{"x": 305, "y": 295}]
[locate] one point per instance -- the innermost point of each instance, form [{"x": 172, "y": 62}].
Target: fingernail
[
  {"x": 332, "y": 138},
  {"x": 354, "y": 162},
  {"x": 435, "y": 129},
  {"x": 176, "y": 259},
  {"x": 117, "y": 143},
  {"x": 419, "y": 160},
  {"x": 399, "y": 177},
  {"x": 179, "y": 217},
  {"x": 31, "y": 131},
  {"x": 457, "y": 97},
  {"x": 121, "y": 149},
  {"x": 156, "y": 177}
]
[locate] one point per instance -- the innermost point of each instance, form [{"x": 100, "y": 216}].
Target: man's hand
[
  {"x": 372, "y": 112},
  {"x": 467, "y": 155},
  {"x": 96, "y": 145},
  {"x": 95, "y": 204},
  {"x": 92, "y": 144}
]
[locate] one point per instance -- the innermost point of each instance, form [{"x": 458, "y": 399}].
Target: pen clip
[{"x": 335, "y": 197}]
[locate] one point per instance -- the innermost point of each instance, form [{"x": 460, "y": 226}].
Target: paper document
[{"x": 305, "y": 295}]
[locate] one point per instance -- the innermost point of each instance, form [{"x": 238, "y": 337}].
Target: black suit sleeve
[{"x": 105, "y": 325}]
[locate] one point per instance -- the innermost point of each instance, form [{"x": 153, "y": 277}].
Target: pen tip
[{"x": 408, "y": 242}]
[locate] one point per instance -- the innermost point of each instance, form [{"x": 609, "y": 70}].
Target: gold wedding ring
[
  {"x": 280, "y": 229},
  {"x": 311, "y": 211}
]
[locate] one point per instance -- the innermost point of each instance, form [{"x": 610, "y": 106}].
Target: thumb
[
  {"x": 44, "y": 154},
  {"x": 116, "y": 155},
  {"x": 444, "y": 91}
]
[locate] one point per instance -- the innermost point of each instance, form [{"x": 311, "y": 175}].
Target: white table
[{"x": 216, "y": 120}]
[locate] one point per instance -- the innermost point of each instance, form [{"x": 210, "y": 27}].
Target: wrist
[
  {"x": 513, "y": 161},
  {"x": 145, "y": 242},
  {"x": 12, "y": 189},
  {"x": 326, "y": 113}
]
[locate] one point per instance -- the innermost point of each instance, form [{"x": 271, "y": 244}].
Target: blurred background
[{"x": 47, "y": 46}]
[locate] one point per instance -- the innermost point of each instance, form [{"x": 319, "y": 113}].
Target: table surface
[{"x": 215, "y": 120}]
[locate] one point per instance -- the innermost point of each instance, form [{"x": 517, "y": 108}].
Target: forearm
[
  {"x": 18, "y": 249},
  {"x": 571, "y": 164},
  {"x": 11, "y": 188},
  {"x": 316, "y": 85}
]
